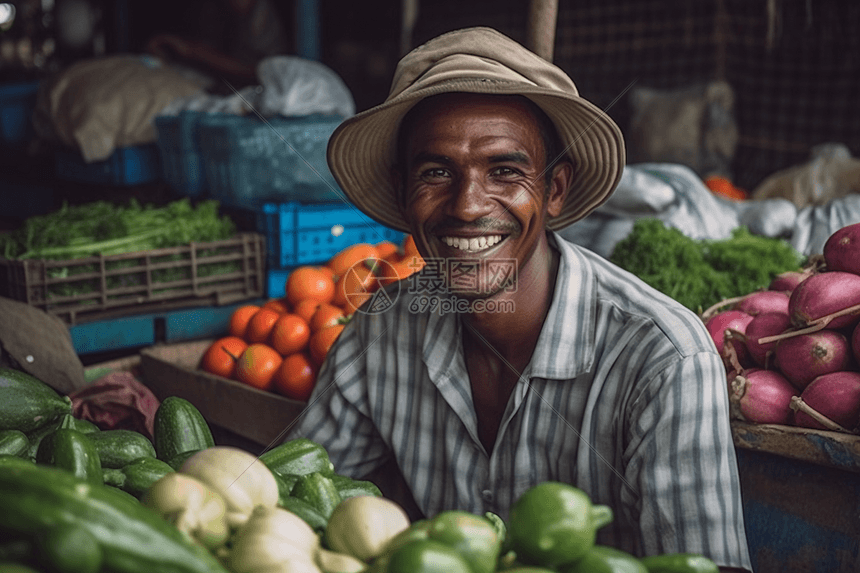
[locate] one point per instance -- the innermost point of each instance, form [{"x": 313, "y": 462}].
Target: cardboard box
[{"x": 259, "y": 416}]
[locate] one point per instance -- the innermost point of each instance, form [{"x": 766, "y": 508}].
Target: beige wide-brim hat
[{"x": 361, "y": 151}]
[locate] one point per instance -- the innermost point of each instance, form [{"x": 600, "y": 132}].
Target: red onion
[
  {"x": 786, "y": 282},
  {"x": 823, "y": 294},
  {"x": 763, "y": 301},
  {"x": 803, "y": 358},
  {"x": 855, "y": 343},
  {"x": 842, "y": 250},
  {"x": 761, "y": 326},
  {"x": 763, "y": 396},
  {"x": 729, "y": 319},
  {"x": 835, "y": 396}
]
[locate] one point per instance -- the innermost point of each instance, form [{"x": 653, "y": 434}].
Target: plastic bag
[
  {"x": 816, "y": 223},
  {"x": 294, "y": 86},
  {"x": 831, "y": 173}
]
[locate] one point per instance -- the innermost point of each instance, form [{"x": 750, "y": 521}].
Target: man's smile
[{"x": 472, "y": 244}]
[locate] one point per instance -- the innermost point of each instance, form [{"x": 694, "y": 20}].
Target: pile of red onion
[{"x": 792, "y": 352}]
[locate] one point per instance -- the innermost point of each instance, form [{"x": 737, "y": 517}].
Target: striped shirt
[{"x": 625, "y": 397}]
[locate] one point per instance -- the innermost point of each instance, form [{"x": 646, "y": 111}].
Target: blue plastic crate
[
  {"x": 248, "y": 161},
  {"x": 300, "y": 234},
  {"x": 126, "y": 166},
  {"x": 17, "y": 102},
  {"x": 181, "y": 162}
]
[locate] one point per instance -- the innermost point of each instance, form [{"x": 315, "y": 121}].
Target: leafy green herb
[
  {"x": 699, "y": 274},
  {"x": 105, "y": 228}
]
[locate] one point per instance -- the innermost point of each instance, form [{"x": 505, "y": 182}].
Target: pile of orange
[{"x": 280, "y": 345}]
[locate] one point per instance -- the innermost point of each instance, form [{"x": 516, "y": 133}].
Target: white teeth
[{"x": 472, "y": 245}]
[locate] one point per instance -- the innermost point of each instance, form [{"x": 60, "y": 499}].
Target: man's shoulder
[{"x": 623, "y": 293}]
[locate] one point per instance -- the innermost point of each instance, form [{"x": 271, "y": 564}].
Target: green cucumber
[
  {"x": 348, "y": 487},
  {"x": 133, "y": 538},
  {"x": 27, "y": 403},
  {"x": 180, "y": 428},
  {"x": 118, "y": 448},
  {"x": 176, "y": 461},
  {"x": 141, "y": 474},
  {"x": 67, "y": 421},
  {"x": 298, "y": 457},
  {"x": 113, "y": 477},
  {"x": 319, "y": 491},
  {"x": 13, "y": 442},
  {"x": 72, "y": 451},
  {"x": 306, "y": 511}
]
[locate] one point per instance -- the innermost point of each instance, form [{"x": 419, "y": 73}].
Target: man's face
[{"x": 474, "y": 185}]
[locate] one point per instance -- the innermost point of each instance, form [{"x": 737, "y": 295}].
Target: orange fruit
[
  {"x": 289, "y": 334},
  {"x": 257, "y": 365},
  {"x": 306, "y": 308},
  {"x": 279, "y": 305},
  {"x": 328, "y": 271},
  {"x": 239, "y": 319},
  {"x": 261, "y": 325},
  {"x": 309, "y": 282},
  {"x": 326, "y": 315},
  {"x": 724, "y": 187},
  {"x": 350, "y": 256},
  {"x": 221, "y": 356},
  {"x": 296, "y": 376},
  {"x": 359, "y": 278},
  {"x": 321, "y": 342},
  {"x": 354, "y": 301},
  {"x": 386, "y": 249}
]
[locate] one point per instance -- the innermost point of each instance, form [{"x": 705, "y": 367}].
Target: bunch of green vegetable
[
  {"x": 701, "y": 273},
  {"x": 106, "y": 228}
]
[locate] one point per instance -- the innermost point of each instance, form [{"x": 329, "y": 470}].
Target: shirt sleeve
[
  {"x": 337, "y": 416},
  {"x": 682, "y": 461}
]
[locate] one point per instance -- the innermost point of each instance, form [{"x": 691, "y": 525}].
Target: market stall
[{"x": 155, "y": 354}]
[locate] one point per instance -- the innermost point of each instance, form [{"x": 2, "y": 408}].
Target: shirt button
[{"x": 487, "y": 495}]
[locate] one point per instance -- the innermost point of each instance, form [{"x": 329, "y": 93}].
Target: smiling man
[{"x": 515, "y": 357}]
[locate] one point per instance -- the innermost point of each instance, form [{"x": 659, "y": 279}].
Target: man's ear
[{"x": 559, "y": 187}]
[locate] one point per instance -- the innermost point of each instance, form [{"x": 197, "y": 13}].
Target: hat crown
[{"x": 475, "y": 53}]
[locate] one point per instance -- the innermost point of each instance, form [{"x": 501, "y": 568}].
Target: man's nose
[{"x": 469, "y": 199}]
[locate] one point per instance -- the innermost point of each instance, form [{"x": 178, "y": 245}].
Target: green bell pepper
[
  {"x": 679, "y": 563},
  {"x": 425, "y": 556},
  {"x": 605, "y": 559},
  {"x": 554, "y": 524}
]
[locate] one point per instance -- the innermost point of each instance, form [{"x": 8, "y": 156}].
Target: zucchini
[
  {"x": 133, "y": 538},
  {"x": 180, "y": 428},
  {"x": 27, "y": 403},
  {"x": 298, "y": 457},
  {"x": 13, "y": 442},
  {"x": 319, "y": 491},
  {"x": 348, "y": 487},
  {"x": 70, "y": 548},
  {"x": 306, "y": 511},
  {"x": 72, "y": 451},
  {"x": 118, "y": 448},
  {"x": 141, "y": 474}
]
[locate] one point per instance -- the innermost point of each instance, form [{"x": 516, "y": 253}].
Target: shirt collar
[{"x": 565, "y": 346}]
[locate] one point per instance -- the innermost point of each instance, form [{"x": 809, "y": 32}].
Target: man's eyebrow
[
  {"x": 512, "y": 157},
  {"x": 426, "y": 157}
]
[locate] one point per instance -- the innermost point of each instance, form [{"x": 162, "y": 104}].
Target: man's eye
[
  {"x": 434, "y": 173},
  {"x": 505, "y": 171}
]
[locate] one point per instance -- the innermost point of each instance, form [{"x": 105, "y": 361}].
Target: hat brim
[{"x": 362, "y": 150}]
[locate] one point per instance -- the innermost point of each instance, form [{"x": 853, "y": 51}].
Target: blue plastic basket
[
  {"x": 300, "y": 234},
  {"x": 126, "y": 166},
  {"x": 248, "y": 161},
  {"x": 17, "y": 102},
  {"x": 181, "y": 163}
]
